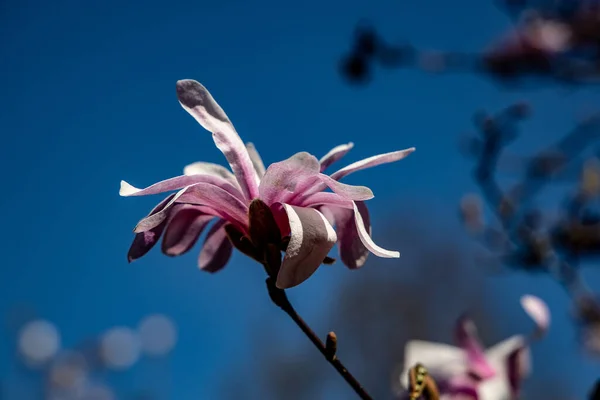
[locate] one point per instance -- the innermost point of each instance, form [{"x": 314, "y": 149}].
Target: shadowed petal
[
  {"x": 352, "y": 251},
  {"x": 335, "y": 154},
  {"x": 442, "y": 360},
  {"x": 538, "y": 311},
  {"x": 283, "y": 178},
  {"x": 311, "y": 239},
  {"x": 144, "y": 241},
  {"x": 257, "y": 161},
  {"x": 505, "y": 360},
  {"x": 324, "y": 198},
  {"x": 365, "y": 238},
  {"x": 467, "y": 339},
  {"x": 219, "y": 203},
  {"x": 216, "y": 249},
  {"x": 184, "y": 229},
  {"x": 372, "y": 162},
  {"x": 180, "y": 182},
  {"x": 197, "y": 101},
  {"x": 350, "y": 192}
]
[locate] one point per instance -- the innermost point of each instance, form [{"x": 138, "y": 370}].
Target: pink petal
[
  {"x": 184, "y": 229},
  {"x": 352, "y": 251},
  {"x": 365, "y": 238},
  {"x": 311, "y": 239},
  {"x": 219, "y": 202},
  {"x": 324, "y": 198},
  {"x": 467, "y": 339},
  {"x": 283, "y": 178},
  {"x": 216, "y": 249},
  {"x": 538, "y": 311},
  {"x": 281, "y": 218},
  {"x": 372, "y": 162},
  {"x": 334, "y": 155},
  {"x": 197, "y": 101},
  {"x": 206, "y": 168},
  {"x": 350, "y": 192},
  {"x": 257, "y": 161},
  {"x": 180, "y": 182},
  {"x": 145, "y": 241}
]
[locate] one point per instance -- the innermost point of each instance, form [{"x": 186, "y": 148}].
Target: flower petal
[
  {"x": 257, "y": 161},
  {"x": 499, "y": 356},
  {"x": 184, "y": 229},
  {"x": 219, "y": 202},
  {"x": 197, "y": 101},
  {"x": 441, "y": 360},
  {"x": 206, "y": 168},
  {"x": 216, "y": 250},
  {"x": 311, "y": 239},
  {"x": 335, "y": 154},
  {"x": 351, "y": 192},
  {"x": 537, "y": 309},
  {"x": 372, "y": 162},
  {"x": 352, "y": 251},
  {"x": 365, "y": 238},
  {"x": 180, "y": 182},
  {"x": 468, "y": 340},
  {"x": 283, "y": 178},
  {"x": 325, "y": 198},
  {"x": 145, "y": 241}
]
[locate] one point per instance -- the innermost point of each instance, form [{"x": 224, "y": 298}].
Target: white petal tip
[
  {"x": 537, "y": 310},
  {"x": 127, "y": 190}
]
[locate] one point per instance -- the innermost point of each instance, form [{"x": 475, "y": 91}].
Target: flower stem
[{"x": 280, "y": 299}]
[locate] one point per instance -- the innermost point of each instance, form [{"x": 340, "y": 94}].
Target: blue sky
[{"x": 88, "y": 99}]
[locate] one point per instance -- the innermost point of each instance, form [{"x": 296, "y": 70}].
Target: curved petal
[
  {"x": 283, "y": 178},
  {"x": 352, "y": 251},
  {"x": 335, "y": 154},
  {"x": 180, "y": 182},
  {"x": 537, "y": 309},
  {"x": 351, "y": 192},
  {"x": 499, "y": 356},
  {"x": 324, "y": 198},
  {"x": 365, "y": 238},
  {"x": 197, "y": 101},
  {"x": 257, "y": 161},
  {"x": 219, "y": 203},
  {"x": 468, "y": 340},
  {"x": 206, "y": 168},
  {"x": 372, "y": 162},
  {"x": 145, "y": 241},
  {"x": 184, "y": 229},
  {"x": 311, "y": 239},
  {"x": 441, "y": 360},
  {"x": 216, "y": 250}
]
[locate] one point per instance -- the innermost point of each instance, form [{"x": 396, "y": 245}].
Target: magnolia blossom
[
  {"x": 262, "y": 212},
  {"x": 470, "y": 372}
]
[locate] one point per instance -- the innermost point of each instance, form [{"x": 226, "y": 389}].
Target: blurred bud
[
  {"x": 39, "y": 341},
  {"x": 471, "y": 212},
  {"x": 366, "y": 41},
  {"x": 590, "y": 178},
  {"x": 520, "y": 110},
  {"x": 120, "y": 348},
  {"x": 331, "y": 344},
  {"x": 158, "y": 335},
  {"x": 355, "y": 68}
]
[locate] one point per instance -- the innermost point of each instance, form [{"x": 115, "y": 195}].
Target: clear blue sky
[{"x": 88, "y": 98}]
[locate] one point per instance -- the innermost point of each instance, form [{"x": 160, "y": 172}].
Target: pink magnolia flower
[
  {"x": 470, "y": 372},
  {"x": 299, "y": 215}
]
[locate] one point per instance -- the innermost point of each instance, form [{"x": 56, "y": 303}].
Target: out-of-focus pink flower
[
  {"x": 470, "y": 372},
  {"x": 293, "y": 192}
]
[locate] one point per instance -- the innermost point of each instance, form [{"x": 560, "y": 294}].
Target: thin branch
[{"x": 280, "y": 299}]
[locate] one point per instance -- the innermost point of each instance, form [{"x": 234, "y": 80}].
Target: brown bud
[{"x": 331, "y": 345}]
